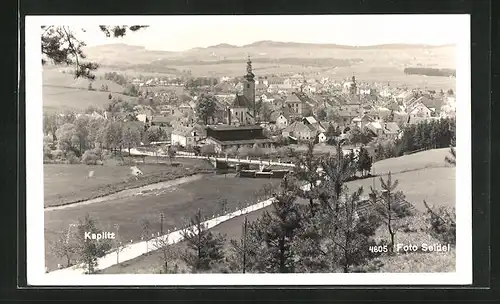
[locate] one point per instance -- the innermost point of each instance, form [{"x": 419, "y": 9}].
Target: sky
[{"x": 177, "y": 33}]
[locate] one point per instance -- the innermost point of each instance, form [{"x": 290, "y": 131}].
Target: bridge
[{"x": 262, "y": 163}]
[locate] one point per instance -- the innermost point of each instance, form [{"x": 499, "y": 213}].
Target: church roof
[{"x": 240, "y": 101}]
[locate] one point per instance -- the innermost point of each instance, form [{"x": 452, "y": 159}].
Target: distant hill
[{"x": 370, "y": 63}]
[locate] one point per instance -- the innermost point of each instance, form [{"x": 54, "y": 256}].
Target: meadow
[{"x": 65, "y": 184}]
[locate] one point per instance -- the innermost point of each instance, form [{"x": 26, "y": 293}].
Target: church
[
  {"x": 242, "y": 110},
  {"x": 241, "y": 129}
]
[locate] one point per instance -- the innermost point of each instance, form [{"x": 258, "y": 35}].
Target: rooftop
[
  {"x": 233, "y": 128},
  {"x": 243, "y": 141}
]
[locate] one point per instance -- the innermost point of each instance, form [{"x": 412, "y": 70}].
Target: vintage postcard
[{"x": 248, "y": 150}]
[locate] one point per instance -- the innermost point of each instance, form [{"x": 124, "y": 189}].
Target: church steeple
[{"x": 250, "y": 75}]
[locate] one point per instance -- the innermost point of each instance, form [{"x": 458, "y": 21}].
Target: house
[
  {"x": 161, "y": 121},
  {"x": 375, "y": 127},
  {"x": 418, "y": 109},
  {"x": 225, "y": 137},
  {"x": 361, "y": 121},
  {"x": 298, "y": 130},
  {"x": 314, "y": 124},
  {"x": 322, "y": 137},
  {"x": 187, "y": 135},
  {"x": 294, "y": 104},
  {"x": 279, "y": 119},
  {"x": 391, "y": 129}
]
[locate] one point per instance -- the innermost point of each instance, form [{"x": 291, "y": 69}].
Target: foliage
[
  {"x": 451, "y": 159},
  {"x": 169, "y": 252},
  {"x": 306, "y": 170},
  {"x": 390, "y": 205},
  {"x": 61, "y": 46},
  {"x": 205, "y": 107},
  {"x": 207, "y": 150},
  {"x": 364, "y": 161},
  {"x": 131, "y": 136},
  {"x": 90, "y": 250},
  {"x": 204, "y": 248},
  {"x": 442, "y": 223},
  {"x": 321, "y": 114},
  {"x": 65, "y": 246},
  {"x": 90, "y": 157},
  {"x": 68, "y": 140},
  {"x": 273, "y": 234}
]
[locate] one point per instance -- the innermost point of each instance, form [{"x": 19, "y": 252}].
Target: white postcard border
[{"x": 34, "y": 184}]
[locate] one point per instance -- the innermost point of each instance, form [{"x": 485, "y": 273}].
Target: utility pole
[
  {"x": 244, "y": 245},
  {"x": 117, "y": 227},
  {"x": 161, "y": 222}
]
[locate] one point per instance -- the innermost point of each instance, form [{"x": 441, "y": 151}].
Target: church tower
[
  {"x": 354, "y": 87},
  {"x": 249, "y": 86}
]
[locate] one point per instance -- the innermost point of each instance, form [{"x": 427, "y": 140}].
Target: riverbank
[{"x": 70, "y": 184}]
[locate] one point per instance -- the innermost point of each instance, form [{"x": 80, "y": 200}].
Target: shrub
[
  {"x": 207, "y": 150},
  {"x": 128, "y": 161},
  {"x": 71, "y": 158},
  {"x": 90, "y": 157},
  {"x": 47, "y": 152},
  {"x": 57, "y": 154},
  {"x": 442, "y": 223}
]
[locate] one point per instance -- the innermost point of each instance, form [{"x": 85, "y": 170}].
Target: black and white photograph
[{"x": 248, "y": 150}]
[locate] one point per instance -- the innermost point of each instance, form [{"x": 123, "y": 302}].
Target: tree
[
  {"x": 131, "y": 136},
  {"x": 67, "y": 139},
  {"x": 82, "y": 129},
  {"x": 306, "y": 169},
  {"x": 451, "y": 158},
  {"x": 204, "y": 248},
  {"x": 205, "y": 108},
  {"x": 243, "y": 252},
  {"x": 113, "y": 135},
  {"x": 90, "y": 250},
  {"x": 364, "y": 161},
  {"x": 338, "y": 170},
  {"x": 61, "y": 46},
  {"x": 321, "y": 114},
  {"x": 442, "y": 223},
  {"x": 390, "y": 205},
  {"x": 171, "y": 152},
  {"x": 274, "y": 233},
  {"x": 146, "y": 231},
  {"x": 154, "y": 134},
  {"x": 345, "y": 241},
  {"x": 266, "y": 112},
  {"x": 355, "y": 136},
  {"x": 207, "y": 150},
  {"x": 50, "y": 124},
  {"x": 65, "y": 246},
  {"x": 169, "y": 252}
]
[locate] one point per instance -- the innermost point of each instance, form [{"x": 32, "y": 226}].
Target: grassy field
[
  {"x": 60, "y": 99},
  {"x": 422, "y": 176},
  {"x": 177, "y": 203},
  {"x": 71, "y": 183}
]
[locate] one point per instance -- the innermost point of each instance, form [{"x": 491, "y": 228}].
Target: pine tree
[
  {"x": 306, "y": 169},
  {"x": 274, "y": 232},
  {"x": 364, "y": 161},
  {"x": 391, "y": 206},
  {"x": 204, "y": 248}
]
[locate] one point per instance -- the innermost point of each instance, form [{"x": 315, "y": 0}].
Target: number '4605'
[{"x": 376, "y": 249}]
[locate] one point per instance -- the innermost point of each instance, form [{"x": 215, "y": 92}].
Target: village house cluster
[{"x": 256, "y": 111}]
